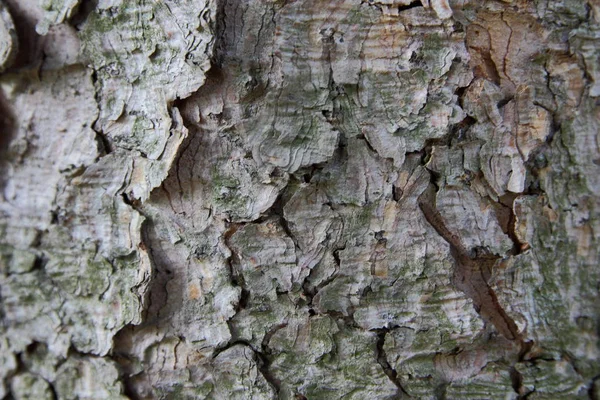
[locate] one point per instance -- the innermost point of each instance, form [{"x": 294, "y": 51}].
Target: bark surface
[{"x": 299, "y": 199}]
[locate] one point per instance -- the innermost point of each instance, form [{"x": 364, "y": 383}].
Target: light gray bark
[{"x": 299, "y": 199}]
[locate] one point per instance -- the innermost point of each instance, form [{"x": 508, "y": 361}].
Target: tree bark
[{"x": 299, "y": 199}]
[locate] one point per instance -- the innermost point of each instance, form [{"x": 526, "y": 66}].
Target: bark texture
[{"x": 301, "y": 199}]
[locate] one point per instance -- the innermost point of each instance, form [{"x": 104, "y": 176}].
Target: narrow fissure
[
  {"x": 9, "y": 131},
  {"x": 517, "y": 382},
  {"x": 508, "y": 223},
  {"x": 154, "y": 298},
  {"x": 7, "y": 124},
  {"x": 82, "y": 12},
  {"x": 411, "y": 5},
  {"x": 263, "y": 366},
  {"x": 311, "y": 291},
  {"x": 30, "y": 51},
  {"x": 470, "y": 272},
  {"x": 594, "y": 390},
  {"x": 382, "y": 360},
  {"x": 104, "y": 145}
]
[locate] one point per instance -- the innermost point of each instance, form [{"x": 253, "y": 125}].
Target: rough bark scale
[{"x": 299, "y": 199}]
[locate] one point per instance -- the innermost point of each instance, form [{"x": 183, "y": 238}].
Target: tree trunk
[{"x": 299, "y": 199}]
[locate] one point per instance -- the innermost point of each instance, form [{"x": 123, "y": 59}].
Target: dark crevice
[
  {"x": 414, "y": 4},
  {"x": 267, "y": 338},
  {"x": 82, "y": 12},
  {"x": 474, "y": 267},
  {"x": 306, "y": 174},
  {"x": 126, "y": 199},
  {"x": 125, "y": 366},
  {"x": 456, "y": 133},
  {"x": 263, "y": 367},
  {"x": 30, "y": 54},
  {"x": 277, "y": 208},
  {"x": 504, "y": 102},
  {"x": 396, "y": 193},
  {"x": 551, "y": 108},
  {"x": 8, "y": 129},
  {"x": 385, "y": 365},
  {"x": 478, "y": 42},
  {"x": 517, "y": 382},
  {"x": 425, "y": 158},
  {"x": 122, "y": 341},
  {"x": 427, "y": 149},
  {"x": 336, "y": 255},
  {"x": 74, "y": 353},
  {"x": 594, "y": 390},
  {"x": 526, "y": 347},
  {"x": 460, "y": 129},
  {"x": 460, "y": 93},
  {"x": 367, "y": 143},
  {"x": 244, "y": 296},
  {"x": 265, "y": 361},
  {"x": 286, "y": 228},
  {"x": 218, "y": 350},
  {"x": 22, "y": 367},
  {"x": 8, "y": 124},
  {"x": 135, "y": 204},
  {"x": 311, "y": 291},
  {"x": 53, "y": 391},
  {"x": 40, "y": 262},
  {"x": 472, "y": 270},
  {"x": 235, "y": 274},
  {"x": 129, "y": 390},
  {"x": 507, "y": 220},
  {"x": 104, "y": 145}
]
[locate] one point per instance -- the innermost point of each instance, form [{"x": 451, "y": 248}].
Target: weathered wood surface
[{"x": 299, "y": 199}]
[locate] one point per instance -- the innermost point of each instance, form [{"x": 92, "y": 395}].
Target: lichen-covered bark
[{"x": 299, "y": 199}]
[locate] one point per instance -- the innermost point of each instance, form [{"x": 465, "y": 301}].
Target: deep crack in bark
[
  {"x": 471, "y": 272},
  {"x": 382, "y": 360}
]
